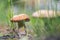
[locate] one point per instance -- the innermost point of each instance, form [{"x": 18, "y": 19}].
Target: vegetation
[{"x": 41, "y": 27}]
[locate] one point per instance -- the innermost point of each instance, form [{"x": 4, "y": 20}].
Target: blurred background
[{"x": 39, "y": 28}]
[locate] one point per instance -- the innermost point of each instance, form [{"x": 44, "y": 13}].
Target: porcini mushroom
[
  {"x": 47, "y": 16},
  {"x": 20, "y": 19}
]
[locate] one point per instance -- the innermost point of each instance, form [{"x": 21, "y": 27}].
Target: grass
[{"x": 40, "y": 26}]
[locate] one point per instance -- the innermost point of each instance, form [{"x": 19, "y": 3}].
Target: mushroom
[
  {"x": 20, "y": 19},
  {"x": 46, "y": 14}
]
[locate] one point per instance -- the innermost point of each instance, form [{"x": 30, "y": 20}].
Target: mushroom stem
[{"x": 22, "y": 24}]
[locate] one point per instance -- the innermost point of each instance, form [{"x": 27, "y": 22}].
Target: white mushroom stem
[{"x": 46, "y": 13}]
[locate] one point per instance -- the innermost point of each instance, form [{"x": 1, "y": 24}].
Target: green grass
[
  {"x": 47, "y": 26},
  {"x": 40, "y": 26}
]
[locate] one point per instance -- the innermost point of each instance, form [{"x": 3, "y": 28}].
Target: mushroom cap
[
  {"x": 45, "y": 14},
  {"x": 20, "y": 17}
]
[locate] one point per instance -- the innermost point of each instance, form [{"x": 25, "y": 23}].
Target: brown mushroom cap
[
  {"x": 20, "y": 17},
  {"x": 45, "y": 14}
]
